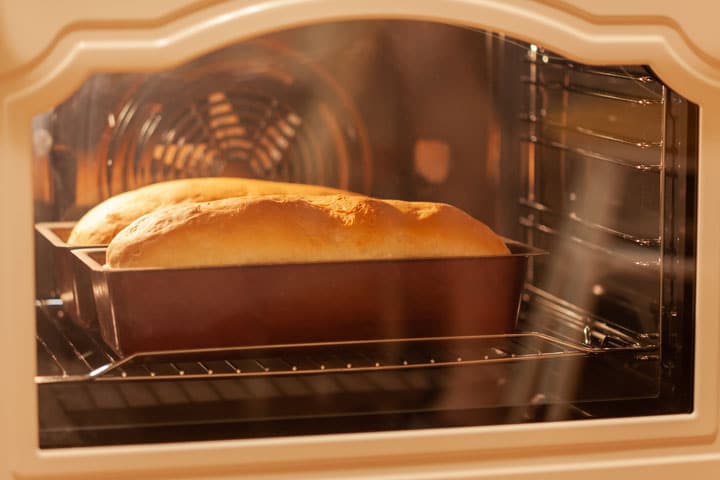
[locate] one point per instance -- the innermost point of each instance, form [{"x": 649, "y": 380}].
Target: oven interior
[{"x": 595, "y": 165}]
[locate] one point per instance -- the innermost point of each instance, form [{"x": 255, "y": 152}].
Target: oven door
[{"x": 598, "y": 153}]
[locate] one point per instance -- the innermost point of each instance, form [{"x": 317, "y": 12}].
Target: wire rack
[{"x": 67, "y": 353}]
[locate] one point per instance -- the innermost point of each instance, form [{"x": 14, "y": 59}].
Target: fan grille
[{"x": 250, "y": 110}]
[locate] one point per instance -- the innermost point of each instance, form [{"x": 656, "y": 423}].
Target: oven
[{"x": 584, "y": 135}]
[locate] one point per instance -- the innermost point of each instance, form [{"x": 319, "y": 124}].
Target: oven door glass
[{"x": 588, "y": 172}]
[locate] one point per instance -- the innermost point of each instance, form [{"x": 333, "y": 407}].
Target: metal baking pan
[
  {"x": 60, "y": 275},
  {"x": 149, "y": 310}
]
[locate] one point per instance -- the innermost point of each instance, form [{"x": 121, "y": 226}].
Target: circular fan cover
[{"x": 253, "y": 110}]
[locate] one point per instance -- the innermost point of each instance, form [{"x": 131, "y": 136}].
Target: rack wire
[
  {"x": 649, "y": 260},
  {"x": 640, "y": 143},
  {"x": 599, "y": 93},
  {"x": 642, "y": 241},
  {"x": 551, "y": 60}
]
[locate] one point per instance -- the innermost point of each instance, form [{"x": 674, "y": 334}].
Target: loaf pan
[
  {"x": 148, "y": 310},
  {"x": 59, "y": 275}
]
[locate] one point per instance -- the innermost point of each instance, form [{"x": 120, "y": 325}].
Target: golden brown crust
[
  {"x": 105, "y": 220},
  {"x": 291, "y": 229}
]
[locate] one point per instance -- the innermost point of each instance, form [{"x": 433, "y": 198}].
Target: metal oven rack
[{"x": 67, "y": 353}]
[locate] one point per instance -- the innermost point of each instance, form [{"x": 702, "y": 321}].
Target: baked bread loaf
[
  {"x": 298, "y": 229},
  {"x": 105, "y": 220}
]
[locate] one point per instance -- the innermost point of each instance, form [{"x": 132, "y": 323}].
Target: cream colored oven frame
[{"x": 47, "y": 50}]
